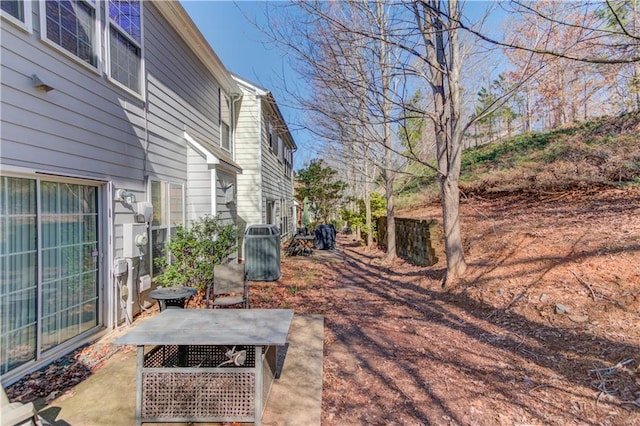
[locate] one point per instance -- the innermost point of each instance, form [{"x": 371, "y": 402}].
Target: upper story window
[
  {"x": 270, "y": 135},
  {"x": 125, "y": 43},
  {"x": 225, "y": 122},
  {"x": 288, "y": 161},
  {"x": 71, "y": 25},
  {"x": 17, "y": 11},
  {"x": 275, "y": 139}
]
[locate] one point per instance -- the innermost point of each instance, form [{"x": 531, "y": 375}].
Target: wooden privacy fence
[{"x": 415, "y": 239}]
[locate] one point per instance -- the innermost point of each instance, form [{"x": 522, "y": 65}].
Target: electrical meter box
[{"x": 135, "y": 239}]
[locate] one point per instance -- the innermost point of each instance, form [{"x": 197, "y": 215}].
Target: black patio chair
[{"x": 230, "y": 286}]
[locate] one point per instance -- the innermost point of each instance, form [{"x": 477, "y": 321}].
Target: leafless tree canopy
[{"x": 394, "y": 83}]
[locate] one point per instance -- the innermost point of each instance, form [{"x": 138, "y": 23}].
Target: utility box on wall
[
  {"x": 135, "y": 239},
  {"x": 262, "y": 252}
]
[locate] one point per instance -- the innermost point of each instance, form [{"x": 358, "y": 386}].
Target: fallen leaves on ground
[{"x": 497, "y": 349}]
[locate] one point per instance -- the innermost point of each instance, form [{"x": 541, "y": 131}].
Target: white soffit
[{"x": 212, "y": 158}]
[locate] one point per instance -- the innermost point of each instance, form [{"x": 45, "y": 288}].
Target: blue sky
[
  {"x": 245, "y": 51},
  {"x": 228, "y": 27}
]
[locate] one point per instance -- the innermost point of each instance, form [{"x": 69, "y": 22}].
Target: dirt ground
[{"x": 543, "y": 330}]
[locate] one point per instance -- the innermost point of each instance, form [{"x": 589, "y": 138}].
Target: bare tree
[
  {"x": 437, "y": 23},
  {"x": 602, "y": 35},
  {"x": 352, "y": 80}
]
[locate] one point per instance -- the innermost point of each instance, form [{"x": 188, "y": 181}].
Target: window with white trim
[
  {"x": 284, "y": 222},
  {"x": 288, "y": 161},
  {"x": 125, "y": 43},
  {"x": 168, "y": 213},
  {"x": 280, "y": 151},
  {"x": 17, "y": 11},
  {"x": 72, "y": 26},
  {"x": 270, "y": 134},
  {"x": 270, "y": 206},
  {"x": 225, "y": 121},
  {"x": 276, "y": 143}
]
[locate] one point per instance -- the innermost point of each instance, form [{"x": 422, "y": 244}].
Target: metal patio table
[
  {"x": 172, "y": 297},
  {"x": 224, "y": 374}
]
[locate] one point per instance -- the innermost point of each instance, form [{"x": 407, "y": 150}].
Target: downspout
[{"x": 234, "y": 99}]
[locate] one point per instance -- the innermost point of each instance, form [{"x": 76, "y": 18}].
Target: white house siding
[
  {"x": 263, "y": 176},
  {"x": 199, "y": 192},
  {"x": 248, "y": 156},
  {"x": 89, "y": 131}
]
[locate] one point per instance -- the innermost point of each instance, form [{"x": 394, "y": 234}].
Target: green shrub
[{"x": 190, "y": 254}]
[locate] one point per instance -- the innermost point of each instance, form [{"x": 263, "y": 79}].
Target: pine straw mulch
[{"x": 542, "y": 330}]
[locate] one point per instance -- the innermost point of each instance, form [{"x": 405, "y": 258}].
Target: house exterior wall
[
  {"x": 83, "y": 131},
  {"x": 277, "y": 187},
  {"x": 199, "y": 194},
  {"x": 248, "y": 156},
  {"x": 265, "y": 190},
  {"x": 91, "y": 132}
]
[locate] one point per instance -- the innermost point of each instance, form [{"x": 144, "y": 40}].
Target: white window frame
[
  {"x": 166, "y": 224},
  {"x": 280, "y": 153},
  {"x": 223, "y": 98},
  {"x": 96, "y": 44},
  {"x": 288, "y": 160},
  {"x": 284, "y": 223},
  {"x": 140, "y": 45},
  {"x": 26, "y": 11},
  {"x": 270, "y": 206},
  {"x": 270, "y": 134}
]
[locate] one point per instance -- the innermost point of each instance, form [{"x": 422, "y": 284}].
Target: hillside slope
[
  {"x": 560, "y": 274},
  {"x": 551, "y": 229},
  {"x": 603, "y": 152}
]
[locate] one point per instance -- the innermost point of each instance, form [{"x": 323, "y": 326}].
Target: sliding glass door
[
  {"x": 69, "y": 253},
  {"x": 49, "y": 266},
  {"x": 18, "y": 272}
]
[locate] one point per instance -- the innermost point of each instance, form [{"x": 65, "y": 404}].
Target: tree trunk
[
  {"x": 391, "y": 223},
  {"x": 447, "y": 104},
  {"x": 367, "y": 201},
  {"x": 389, "y": 174},
  {"x": 368, "y": 224},
  {"x": 456, "y": 264}
]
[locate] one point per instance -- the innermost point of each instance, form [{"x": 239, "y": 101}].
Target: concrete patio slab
[{"x": 108, "y": 396}]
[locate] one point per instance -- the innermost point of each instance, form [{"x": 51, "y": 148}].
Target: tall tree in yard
[
  {"x": 352, "y": 76},
  {"x": 441, "y": 59},
  {"x": 625, "y": 15},
  {"x": 321, "y": 189}
]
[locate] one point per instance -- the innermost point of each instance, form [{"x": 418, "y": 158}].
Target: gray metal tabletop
[
  {"x": 212, "y": 327},
  {"x": 172, "y": 292}
]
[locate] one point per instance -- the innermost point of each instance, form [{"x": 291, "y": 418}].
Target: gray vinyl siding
[
  {"x": 276, "y": 185},
  {"x": 59, "y": 131},
  {"x": 93, "y": 130},
  {"x": 85, "y": 127},
  {"x": 182, "y": 95}
]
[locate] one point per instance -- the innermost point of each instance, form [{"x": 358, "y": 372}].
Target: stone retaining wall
[{"x": 415, "y": 239}]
